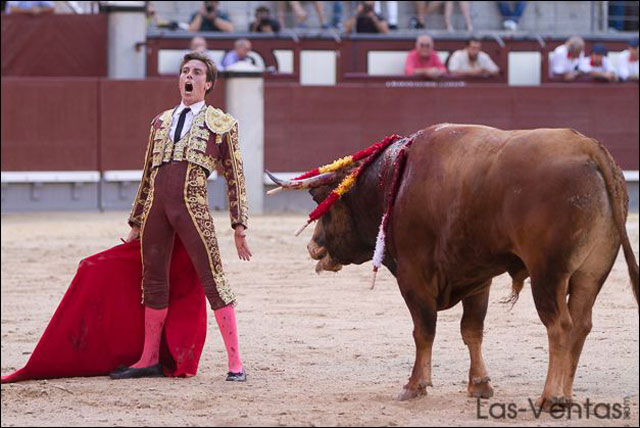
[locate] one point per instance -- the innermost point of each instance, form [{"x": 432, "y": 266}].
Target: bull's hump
[{"x": 442, "y": 126}]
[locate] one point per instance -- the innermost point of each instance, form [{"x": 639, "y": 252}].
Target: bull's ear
[
  {"x": 314, "y": 194},
  {"x": 319, "y": 194}
]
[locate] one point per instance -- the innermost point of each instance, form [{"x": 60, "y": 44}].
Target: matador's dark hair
[{"x": 212, "y": 71}]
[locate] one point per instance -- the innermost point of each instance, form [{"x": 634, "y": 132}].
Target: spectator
[
  {"x": 239, "y": 54},
  {"x": 336, "y": 20},
  {"x": 565, "y": 59},
  {"x": 628, "y": 62},
  {"x": 30, "y": 7},
  {"x": 263, "y": 23},
  {"x": 426, "y": 7},
  {"x": 424, "y": 60},
  {"x": 615, "y": 12},
  {"x": 511, "y": 14},
  {"x": 632, "y": 12},
  {"x": 151, "y": 16},
  {"x": 466, "y": 13},
  {"x": 209, "y": 18},
  {"x": 622, "y": 15},
  {"x": 366, "y": 20},
  {"x": 154, "y": 21},
  {"x": 423, "y": 8},
  {"x": 300, "y": 13},
  {"x": 472, "y": 62},
  {"x": 392, "y": 12},
  {"x": 597, "y": 65},
  {"x": 198, "y": 44}
]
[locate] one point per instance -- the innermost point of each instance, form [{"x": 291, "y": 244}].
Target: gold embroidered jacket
[{"x": 213, "y": 138}]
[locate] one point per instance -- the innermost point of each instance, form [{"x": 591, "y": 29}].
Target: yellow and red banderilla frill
[{"x": 368, "y": 155}]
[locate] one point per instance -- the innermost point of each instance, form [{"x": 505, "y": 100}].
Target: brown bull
[{"x": 475, "y": 202}]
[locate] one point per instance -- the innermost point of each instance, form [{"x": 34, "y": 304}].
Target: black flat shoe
[
  {"x": 237, "y": 377},
  {"x": 133, "y": 373},
  {"x": 119, "y": 370}
]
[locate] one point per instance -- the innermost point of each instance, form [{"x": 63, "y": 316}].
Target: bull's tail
[{"x": 619, "y": 199}]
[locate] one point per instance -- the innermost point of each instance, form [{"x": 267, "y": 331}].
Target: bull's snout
[
  {"x": 325, "y": 262},
  {"x": 328, "y": 264},
  {"x": 316, "y": 251}
]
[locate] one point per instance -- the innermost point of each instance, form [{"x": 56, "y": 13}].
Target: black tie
[{"x": 183, "y": 116}]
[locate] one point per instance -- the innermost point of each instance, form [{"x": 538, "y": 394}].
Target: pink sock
[
  {"x": 226, "y": 318},
  {"x": 153, "y": 325}
]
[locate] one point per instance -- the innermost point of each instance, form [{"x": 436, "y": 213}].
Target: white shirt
[
  {"x": 606, "y": 67},
  {"x": 195, "y": 109},
  {"x": 561, "y": 63},
  {"x": 626, "y": 68},
  {"x": 460, "y": 62}
]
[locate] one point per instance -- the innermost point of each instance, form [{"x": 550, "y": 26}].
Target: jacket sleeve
[
  {"x": 135, "y": 217},
  {"x": 234, "y": 175}
]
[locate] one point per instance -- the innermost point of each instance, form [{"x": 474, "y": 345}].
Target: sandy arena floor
[{"x": 319, "y": 349}]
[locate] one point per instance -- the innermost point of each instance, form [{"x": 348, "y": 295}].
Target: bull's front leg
[
  {"x": 424, "y": 315},
  {"x": 472, "y": 330}
]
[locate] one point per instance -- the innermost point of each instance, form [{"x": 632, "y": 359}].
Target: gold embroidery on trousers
[
  {"x": 195, "y": 197},
  {"x": 145, "y": 211}
]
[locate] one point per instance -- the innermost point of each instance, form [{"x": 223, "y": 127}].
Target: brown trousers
[{"x": 178, "y": 204}]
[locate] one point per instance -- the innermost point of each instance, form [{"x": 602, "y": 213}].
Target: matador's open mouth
[{"x": 188, "y": 87}]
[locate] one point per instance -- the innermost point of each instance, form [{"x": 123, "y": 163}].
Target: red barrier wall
[
  {"x": 100, "y": 124},
  {"x": 55, "y": 124},
  {"x": 49, "y": 124},
  {"x": 127, "y": 108},
  {"x": 54, "y": 45},
  {"x": 308, "y": 126}
]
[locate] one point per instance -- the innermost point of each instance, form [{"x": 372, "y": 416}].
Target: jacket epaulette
[{"x": 218, "y": 121}]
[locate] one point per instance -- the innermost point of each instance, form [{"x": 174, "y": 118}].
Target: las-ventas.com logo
[{"x": 586, "y": 410}]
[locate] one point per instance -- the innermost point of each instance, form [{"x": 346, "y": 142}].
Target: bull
[{"x": 475, "y": 202}]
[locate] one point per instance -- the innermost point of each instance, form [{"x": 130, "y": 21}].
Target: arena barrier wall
[
  {"x": 307, "y": 126},
  {"x": 70, "y": 131},
  {"x": 54, "y": 45}
]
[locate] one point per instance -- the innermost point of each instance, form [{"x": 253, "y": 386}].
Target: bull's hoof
[
  {"x": 547, "y": 404},
  {"x": 411, "y": 393},
  {"x": 480, "y": 388}
]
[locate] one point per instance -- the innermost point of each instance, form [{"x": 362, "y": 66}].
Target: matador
[{"x": 186, "y": 144}]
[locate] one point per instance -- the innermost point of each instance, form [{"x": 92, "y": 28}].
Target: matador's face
[{"x": 193, "y": 82}]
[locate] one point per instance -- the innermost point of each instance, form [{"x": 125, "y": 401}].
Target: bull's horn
[
  {"x": 274, "y": 178},
  {"x": 306, "y": 183}
]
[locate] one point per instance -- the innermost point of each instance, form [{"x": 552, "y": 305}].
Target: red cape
[{"x": 99, "y": 324}]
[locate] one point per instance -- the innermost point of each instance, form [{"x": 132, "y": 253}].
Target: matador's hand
[
  {"x": 241, "y": 243},
  {"x": 134, "y": 234}
]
